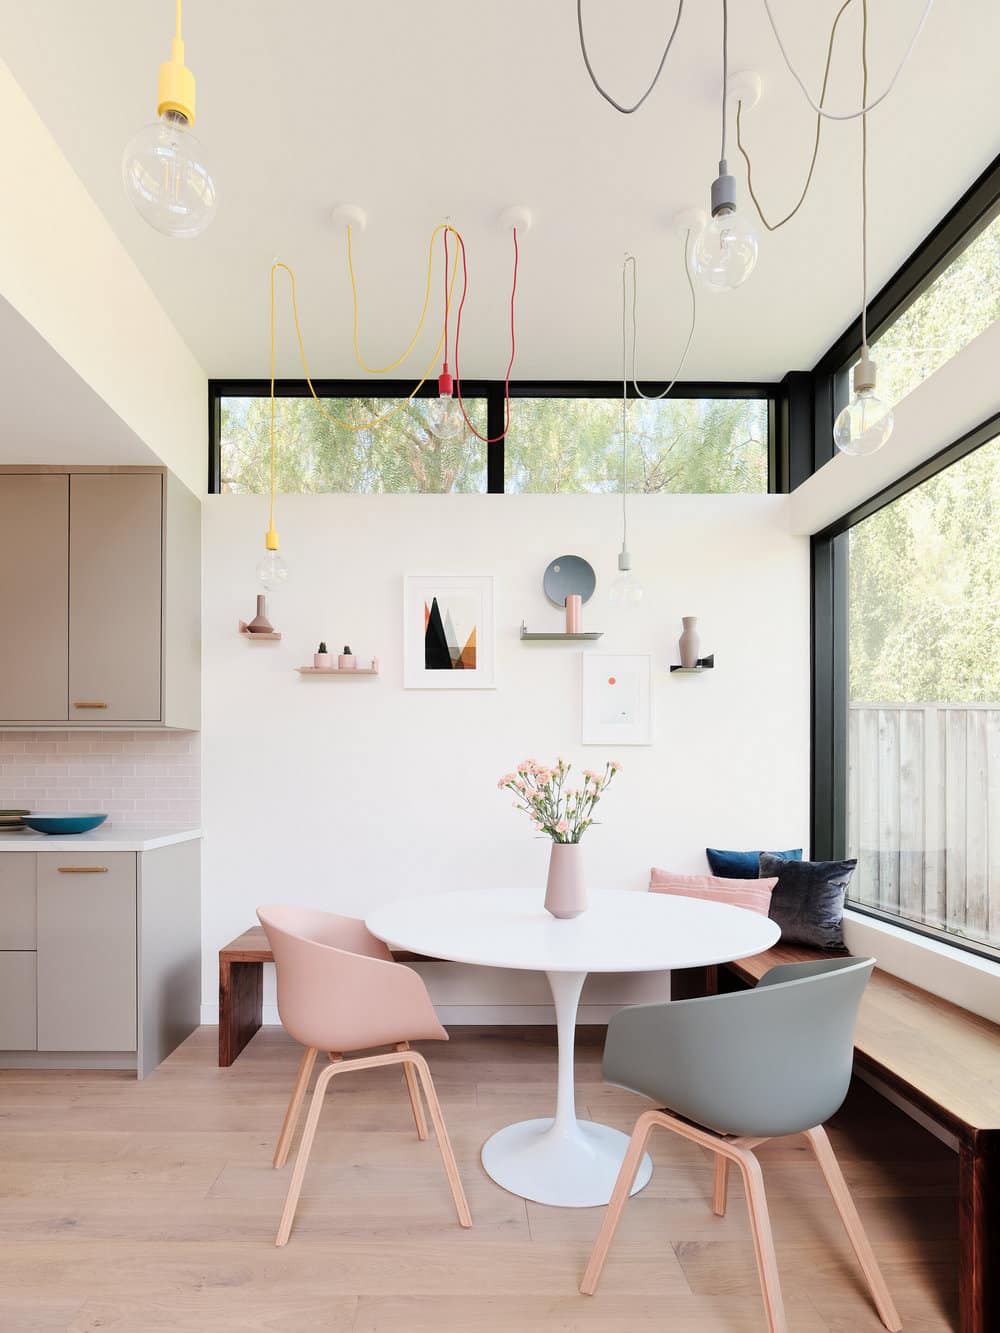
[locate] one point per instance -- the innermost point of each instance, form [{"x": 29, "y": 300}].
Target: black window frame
[
  {"x": 811, "y": 401},
  {"x": 493, "y": 392}
]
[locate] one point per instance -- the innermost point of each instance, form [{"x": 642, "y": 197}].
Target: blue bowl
[{"x": 63, "y": 823}]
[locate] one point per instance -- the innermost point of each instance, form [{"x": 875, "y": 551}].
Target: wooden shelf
[
  {"x": 273, "y": 636},
  {"x": 703, "y": 664},
  {"x": 589, "y": 637},
  {"x": 336, "y": 671}
]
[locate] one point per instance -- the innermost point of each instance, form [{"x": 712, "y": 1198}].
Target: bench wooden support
[{"x": 945, "y": 1062}]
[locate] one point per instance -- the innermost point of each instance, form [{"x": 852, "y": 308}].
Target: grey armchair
[{"x": 735, "y": 1070}]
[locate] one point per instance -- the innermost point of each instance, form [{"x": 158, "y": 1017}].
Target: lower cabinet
[
  {"x": 17, "y": 1000},
  {"x": 87, "y": 952}
]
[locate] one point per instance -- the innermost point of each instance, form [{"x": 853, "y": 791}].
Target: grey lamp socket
[
  {"x": 865, "y": 373},
  {"x": 723, "y": 191}
]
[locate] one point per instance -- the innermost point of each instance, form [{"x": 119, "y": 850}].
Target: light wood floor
[{"x": 142, "y": 1207}]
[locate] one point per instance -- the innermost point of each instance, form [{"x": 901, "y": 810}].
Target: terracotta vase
[
  {"x": 260, "y": 623},
  {"x": 689, "y": 643},
  {"x": 565, "y": 890}
]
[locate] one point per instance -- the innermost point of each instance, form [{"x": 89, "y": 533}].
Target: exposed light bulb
[
  {"x": 445, "y": 413},
  {"x": 166, "y": 177},
  {"x": 864, "y": 425},
  {"x": 626, "y": 591},
  {"x": 725, "y": 251},
  {"x": 163, "y": 166},
  {"x": 272, "y": 568}
]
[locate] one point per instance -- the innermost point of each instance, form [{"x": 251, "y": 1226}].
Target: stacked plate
[{"x": 12, "y": 819}]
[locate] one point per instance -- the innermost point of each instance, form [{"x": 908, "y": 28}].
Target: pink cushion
[{"x": 753, "y": 894}]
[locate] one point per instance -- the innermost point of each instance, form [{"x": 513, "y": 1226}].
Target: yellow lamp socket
[
  {"x": 271, "y": 540},
  {"x": 176, "y": 84}
]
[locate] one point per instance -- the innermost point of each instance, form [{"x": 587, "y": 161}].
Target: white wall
[
  {"x": 65, "y": 271},
  {"x": 348, "y": 793}
]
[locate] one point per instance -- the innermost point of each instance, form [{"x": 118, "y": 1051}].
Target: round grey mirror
[{"x": 568, "y": 574}]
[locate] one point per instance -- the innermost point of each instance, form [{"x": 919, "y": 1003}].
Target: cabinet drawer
[
  {"x": 17, "y": 900},
  {"x": 86, "y": 951},
  {"x": 17, "y": 1001}
]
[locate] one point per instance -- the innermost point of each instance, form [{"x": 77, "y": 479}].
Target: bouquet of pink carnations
[{"x": 563, "y": 812}]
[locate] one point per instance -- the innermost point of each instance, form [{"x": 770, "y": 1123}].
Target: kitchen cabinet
[
  {"x": 111, "y": 977},
  {"x": 102, "y": 626}
]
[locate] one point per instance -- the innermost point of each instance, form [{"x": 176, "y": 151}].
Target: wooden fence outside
[{"x": 923, "y": 816}]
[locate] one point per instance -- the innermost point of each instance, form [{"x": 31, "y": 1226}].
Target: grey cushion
[{"x": 808, "y": 899}]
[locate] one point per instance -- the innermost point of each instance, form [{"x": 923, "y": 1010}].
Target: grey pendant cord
[
  {"x": 773, "y": 226},
  {"x": 630, "y": 259},
  {"x": 626, "y": 110},
  {"x": 864, "y": 181},
  {"x": 866, "y": 106}
]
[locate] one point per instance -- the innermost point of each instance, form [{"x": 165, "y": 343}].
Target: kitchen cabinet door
[
  {"x": 17, "y": 900},
  {"x": 34, "y": 558},
  {"x": 17, "y": 1001},
  {"x": 115, "y": 541},
  {"x": 86, "y": 951}
]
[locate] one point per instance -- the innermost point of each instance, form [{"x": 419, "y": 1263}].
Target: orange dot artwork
[{"x": 612, "y": 680}]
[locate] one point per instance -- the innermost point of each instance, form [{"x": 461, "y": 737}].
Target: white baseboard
[{"x": 467, "y": 1015}]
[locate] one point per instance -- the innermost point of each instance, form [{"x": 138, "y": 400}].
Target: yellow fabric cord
[
  {"x": 386, "y": 416},
  {"x": 382, "y": 370}
]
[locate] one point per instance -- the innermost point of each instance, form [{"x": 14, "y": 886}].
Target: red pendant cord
[{"x": 513, "y": 346}]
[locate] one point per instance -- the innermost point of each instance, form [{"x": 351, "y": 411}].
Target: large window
[
  {"x": 923, "y": 739},
  {"x": 562, "y": 439}
]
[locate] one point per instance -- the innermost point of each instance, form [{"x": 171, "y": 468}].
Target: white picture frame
[
  {"x": 617, "y": 699},
  {"x": 462, "y": 608}
]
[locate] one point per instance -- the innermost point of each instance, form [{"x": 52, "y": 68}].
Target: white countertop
[{"x": 107, "y": 838}]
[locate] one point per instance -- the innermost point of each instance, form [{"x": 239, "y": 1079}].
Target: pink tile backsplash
[{"x": 137, "y": 777}]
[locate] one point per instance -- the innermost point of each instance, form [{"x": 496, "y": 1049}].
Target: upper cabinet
[{"x": 101, "y": 625}]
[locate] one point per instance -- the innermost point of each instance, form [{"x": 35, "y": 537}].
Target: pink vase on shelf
[
  {"x": 565, "y": 889},
  {"x": 689, "y": 643},
  {"x": 574, "y": 613}
]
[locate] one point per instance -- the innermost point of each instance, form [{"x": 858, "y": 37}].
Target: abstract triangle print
[
  {"x": 436, "y": 654},
  {"x": 468, "y": 659}
]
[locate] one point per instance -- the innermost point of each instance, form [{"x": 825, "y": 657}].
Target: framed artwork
[
  {"x": 617, "y": 699},
  {"x": 449, "y": 636}
]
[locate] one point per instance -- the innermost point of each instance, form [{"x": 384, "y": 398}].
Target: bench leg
[
  {"x": 241, "y": 1006},
  {"x": 979, "y": 1234}
]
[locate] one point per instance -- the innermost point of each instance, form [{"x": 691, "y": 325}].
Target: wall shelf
[
  {"x": 273, "y": 636},
  {"x": 589, "y": 637},
  {"x": 336, "y": 671},
  {"x": 703, "y": 664}
]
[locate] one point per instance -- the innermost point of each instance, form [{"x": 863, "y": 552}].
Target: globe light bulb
[
  {"x": 864, "y": 425},
  {"x": 167, "y": 179},
  {"x": 272, "y": 570},
  {"x": 724, "y": 253},
  {"x": 626, "y": 591},
  {"x": 445, "y": 414}
]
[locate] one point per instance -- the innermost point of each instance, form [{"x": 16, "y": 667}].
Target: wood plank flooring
[{"x": 138, "y": 1208}]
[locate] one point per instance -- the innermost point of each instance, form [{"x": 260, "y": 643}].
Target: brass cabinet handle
[
  {"x": 86, "y": 704},
  {"x": 83, "y": 870}
]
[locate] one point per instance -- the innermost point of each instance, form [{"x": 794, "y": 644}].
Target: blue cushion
[
  {"x": 743, "y": 865},
  {"x": 808, "y": 899}
]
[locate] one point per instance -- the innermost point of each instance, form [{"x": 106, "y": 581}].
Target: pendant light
[
  {"x": 865, "y": 424},
  {"x": 725, "y": 252},
  {"x": 626, "y": 590},
  {"x": 272, "y": 568},
  {"x": 445, "y": 413},
  {"x": 163, "y": 166}
]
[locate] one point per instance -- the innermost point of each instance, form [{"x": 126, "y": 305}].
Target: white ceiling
[{"x": 418, "y": 111}]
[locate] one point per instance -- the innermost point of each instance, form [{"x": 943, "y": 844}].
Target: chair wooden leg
[
  {"x": 763, "y": 1239},
  {"x": 302, "y": 1157},
  {"x": 720, "y": 1185},
  {"x": 294, "y": 1107},
  {"x": 837, "y": 1186},
  {"x": 444, "y": 1143},
  {"x": 619, "y": 1198},
  {"x": 413, "y": 1088}
]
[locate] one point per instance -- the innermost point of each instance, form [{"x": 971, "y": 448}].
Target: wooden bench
[
  {"x": 241, "y": 989},
  {"x": 942, "y": 1061}
]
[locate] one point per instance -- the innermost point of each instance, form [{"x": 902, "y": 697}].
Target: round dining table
[{"x": 559, "y": 1159}]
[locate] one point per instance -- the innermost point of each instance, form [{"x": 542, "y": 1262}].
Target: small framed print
[
  {"x": 449, "y": 635},
  {"x": 617, "y": 699}
]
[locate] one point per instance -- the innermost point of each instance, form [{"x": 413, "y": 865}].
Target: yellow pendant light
[{"x": 163, "y": 167}]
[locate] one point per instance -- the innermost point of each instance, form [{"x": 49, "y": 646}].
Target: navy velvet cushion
[
  {"x": 808, "y": 899},
  {"x": 743, "y": 865}
]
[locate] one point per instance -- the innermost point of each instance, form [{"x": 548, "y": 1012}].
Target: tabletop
[{"x": 621, "y": 931}]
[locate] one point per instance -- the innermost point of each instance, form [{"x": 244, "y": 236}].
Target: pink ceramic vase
[
  {"x": 565, "y": 890},
  {"x": 574, "y": 613}
]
